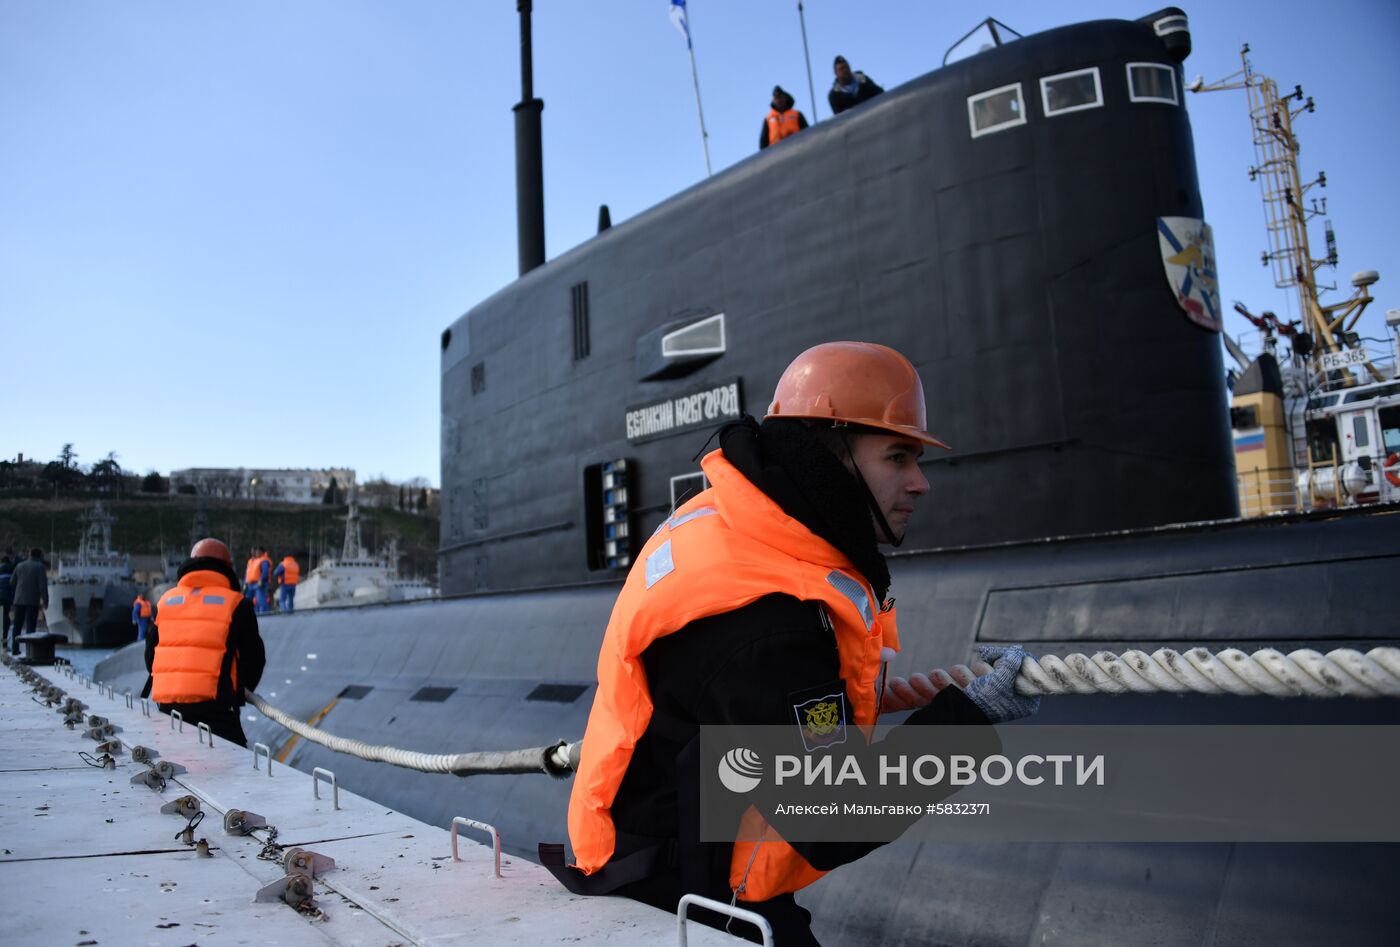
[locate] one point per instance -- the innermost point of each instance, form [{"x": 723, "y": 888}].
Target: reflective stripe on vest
[
  {"x": 781, "y": 125},
  {"x": 192, "y": 647},
  {"x": 726, "y": 548}
]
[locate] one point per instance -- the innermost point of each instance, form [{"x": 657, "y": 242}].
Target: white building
[{"x": 286, "y": 485}]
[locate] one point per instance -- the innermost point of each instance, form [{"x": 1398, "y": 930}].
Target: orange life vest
[
  {"x": 192, "y": 651},
  {"x": 145, "y": 606},
  {"x": 782, "y": 124},
  {"x": 729, "y": 546},
  {"x": 291, "y": 572},
  {"x": 252, "y": 575}
]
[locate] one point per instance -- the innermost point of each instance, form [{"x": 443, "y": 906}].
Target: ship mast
[
  {"x": 353, "y": 547},
  {"x": 1287, "y": 211}
]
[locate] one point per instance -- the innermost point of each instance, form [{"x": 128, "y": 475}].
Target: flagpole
[
  {"x": 811, "y": 88},
  {"x": 695, "y": 77}
]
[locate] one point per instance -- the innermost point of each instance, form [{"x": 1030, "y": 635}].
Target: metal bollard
[
  {"x": 266, "y": 752},
  {"x": 128, "y": 700},
  {"x": 483, "y": 826},
  {"x": 203, "y": 729},
  {"x": 316, "y": 775},
  {"x": 176, "y": 715}
]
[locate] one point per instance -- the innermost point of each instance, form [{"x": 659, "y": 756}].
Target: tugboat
[{"x": 91, "y": 591}]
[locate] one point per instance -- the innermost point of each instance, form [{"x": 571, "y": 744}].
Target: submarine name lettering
[{"x": 684, "y": 412}]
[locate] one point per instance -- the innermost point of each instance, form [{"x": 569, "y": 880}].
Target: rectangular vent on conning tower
[
  {"x": 354, "y": 692},
  {"x": 433, "y": 695},
  {"x": 579, "y": 294},
  {"x": 557, "y": 693},
  {"x": 478, "y": 378}
]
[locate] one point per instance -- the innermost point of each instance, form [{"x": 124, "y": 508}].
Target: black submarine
[{"x": 1005, "y": 221}]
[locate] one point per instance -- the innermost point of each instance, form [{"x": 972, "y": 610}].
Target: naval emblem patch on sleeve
[{"x": 820, "y": 714}]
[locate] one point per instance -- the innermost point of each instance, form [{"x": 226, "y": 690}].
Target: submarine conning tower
[{"x": 1024, "y": 224}]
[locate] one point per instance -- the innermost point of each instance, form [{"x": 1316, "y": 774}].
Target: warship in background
[
  {"x": 91, "y": 591},
  {"x": 1025, "y": 223},
  {"x": 356, "y": 577}
]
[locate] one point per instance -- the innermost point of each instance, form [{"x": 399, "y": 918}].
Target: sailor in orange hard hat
[{"x": 764, "y": 601}]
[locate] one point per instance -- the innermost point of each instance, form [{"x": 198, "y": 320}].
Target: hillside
[{"x": 149, "y": 524}]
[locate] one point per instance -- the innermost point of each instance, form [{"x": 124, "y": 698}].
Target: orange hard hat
[
  {"x": 212, "y": 548},
  {"x": 855, "y": 383}
]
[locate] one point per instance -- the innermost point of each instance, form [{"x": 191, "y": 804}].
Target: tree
[
  {"x": 329, "y": 499},
  {"x": 153, "y": 482},
  {"x": 106, "y": 474},
  {"x": 423, "y": 500},
  {"x": 68, "y": 457},
  {"x": 400, "y": 498}
]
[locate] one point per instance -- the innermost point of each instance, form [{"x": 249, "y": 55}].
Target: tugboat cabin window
[
  {"x": 1071, "y": 92},
  {"x": 1360, "y": 431},
  {"x": 1151, "y": 82},
  {"x": 705, "y": 337},
  {"x": 1390, "y": 429},
  {"x": 996, "y": 110}
]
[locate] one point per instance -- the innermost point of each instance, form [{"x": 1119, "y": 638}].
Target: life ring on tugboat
[{"x": 1391, "y": 468}]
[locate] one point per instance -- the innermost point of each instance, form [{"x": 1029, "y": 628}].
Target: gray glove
[{"x": 995, "y": 693}]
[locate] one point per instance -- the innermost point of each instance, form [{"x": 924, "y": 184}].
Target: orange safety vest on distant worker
[
  {"x": 291, "y": 572},
  {"x": 192, "y": 651},
  {"x": 781, "y": 125},
  {"x": 145, "y": 606},
  {"x": 252, "y": 575},
  {"x": 729, "y": 546}
]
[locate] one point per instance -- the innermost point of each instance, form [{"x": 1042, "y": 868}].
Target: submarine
[{"x": 1006, "y": 221}]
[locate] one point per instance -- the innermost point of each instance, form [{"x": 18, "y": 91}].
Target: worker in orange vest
[
  {"x": 287, "y": 575},
  {"x": 257, "y": 578},
  {"x": 764, "y": 601},
  {"x": 204, "y": 648},
  {"x": 141, "y": 615},
  {"x": 783, "y": 120}
]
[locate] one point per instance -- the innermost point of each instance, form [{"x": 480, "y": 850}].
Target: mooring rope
[
  {"x": 1343, "y": 672},
  {"x": 550, "y": 759}
]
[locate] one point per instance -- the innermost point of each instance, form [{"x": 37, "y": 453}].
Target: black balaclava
[{"x": 797, "y": 471}]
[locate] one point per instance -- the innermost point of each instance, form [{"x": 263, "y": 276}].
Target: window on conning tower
[
  {"x": 1071, "y": 91},
  {"x": 1152, "y": 82},
  {"x": 996, "y": 110}
]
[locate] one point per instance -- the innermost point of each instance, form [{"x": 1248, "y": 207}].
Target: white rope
[
  {"x": 542, "y": 759},
  {"x": 1304, "y": 673}
]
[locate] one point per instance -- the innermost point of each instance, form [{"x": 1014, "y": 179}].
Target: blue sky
[{"x": 231, "y": 233}]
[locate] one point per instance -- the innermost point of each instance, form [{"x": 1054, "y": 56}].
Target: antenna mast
[{"x": 1287, "y": 210}]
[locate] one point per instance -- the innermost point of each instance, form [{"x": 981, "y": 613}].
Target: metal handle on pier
[
  {"x": 316, "y": 775},
  {"x": 483, "y": 826},
  {"x": 765, "y": 930},
  {"x": 266, "y": 752},
  {"x": 176, "y": 715},
  {"x": 129, "y": 703},
  {"x": 145, "y": 707},
  {"x": 203, "y": 729}
]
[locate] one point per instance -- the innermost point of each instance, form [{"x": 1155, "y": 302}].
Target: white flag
[{"x": 679, "y": 21}]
